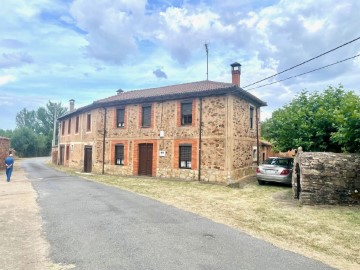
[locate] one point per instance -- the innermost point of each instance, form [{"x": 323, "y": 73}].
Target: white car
[{"x": 275, "y": 169}]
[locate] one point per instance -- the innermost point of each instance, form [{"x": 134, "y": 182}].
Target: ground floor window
[
  {"x": 185, "y": 156},
  {"x": 119, "y": 154}
]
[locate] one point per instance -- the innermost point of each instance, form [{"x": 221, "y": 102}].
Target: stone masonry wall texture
[
  {"x": 218, "y": 132},
  {"x": 4, "y": 150},
  {"x": 328, "y": 178}
]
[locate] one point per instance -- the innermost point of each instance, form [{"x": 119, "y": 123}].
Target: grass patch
[{"x": 327, "y": 233}]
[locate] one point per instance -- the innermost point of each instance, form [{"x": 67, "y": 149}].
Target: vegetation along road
[{"x": 90, "y": 225}]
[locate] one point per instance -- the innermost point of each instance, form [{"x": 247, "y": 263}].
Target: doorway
[
  {"x": 145, "y": 159},
  {"x": 88, "y": 159},
  {"x": 62, "y": 152}
]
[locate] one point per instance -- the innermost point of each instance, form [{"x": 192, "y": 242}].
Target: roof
[
  {"x": 171, "y": 92},
  {"x": 265, "y": 143}
]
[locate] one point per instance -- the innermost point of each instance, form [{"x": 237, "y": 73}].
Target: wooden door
[
  {"x": 145, "y": 159},
  {"x": 62, "y": 151},
  {"x": 88, "y": 159}
]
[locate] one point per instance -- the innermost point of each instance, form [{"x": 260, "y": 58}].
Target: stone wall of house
[
  {"x": 245, "y": 141},
  {"x": 327, "y": 178},
  {"x": 166, "y": 116},
  {"x": 4, "y": 150}
]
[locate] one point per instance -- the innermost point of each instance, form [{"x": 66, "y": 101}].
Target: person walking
[{"x": 9, "y": 163}]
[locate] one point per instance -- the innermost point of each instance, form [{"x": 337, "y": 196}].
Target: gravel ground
[{"x": 23, "y": 245}]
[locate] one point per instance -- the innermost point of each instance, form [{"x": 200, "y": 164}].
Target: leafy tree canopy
[
  {"x": 326, "y": 121},
  {"x": 36, "y": 126}
]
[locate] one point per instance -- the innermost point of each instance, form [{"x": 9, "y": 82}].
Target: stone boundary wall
[
  {"x": 326, "y": 178},
  {"x": 4, "y": 150}
]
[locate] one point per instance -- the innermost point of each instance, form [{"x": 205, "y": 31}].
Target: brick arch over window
[
  {"x": 193, "y": 112},
  {"x": 126, "y": 151},
  {"x": 194, "y": 153}
]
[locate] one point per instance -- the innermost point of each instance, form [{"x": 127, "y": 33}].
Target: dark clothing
[{"x": 9, "y": 163}]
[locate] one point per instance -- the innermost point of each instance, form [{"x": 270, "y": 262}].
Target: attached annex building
[{"x": 157, "y": 132}]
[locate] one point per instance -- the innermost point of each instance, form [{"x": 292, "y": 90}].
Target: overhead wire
[
  {"x": 338, "y": 47},
  {"x": 305, "y": 72}
]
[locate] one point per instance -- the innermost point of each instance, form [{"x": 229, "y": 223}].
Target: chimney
[
  {"x": 235, "y": 72},
  {"x": 72, "y": 104}
]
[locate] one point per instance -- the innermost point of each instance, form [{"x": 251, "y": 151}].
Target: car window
[
  {"x": 279, "y": 161},
  {"x": 285, "y": 162},
  {"x": 271, "y": 161}
]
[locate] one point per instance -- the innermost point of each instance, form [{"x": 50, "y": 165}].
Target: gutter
[
  {"x": 104, "y": 136},
  {"x": 257, "y": 136}
]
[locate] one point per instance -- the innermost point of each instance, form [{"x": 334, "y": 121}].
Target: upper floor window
[
  {"x": 88, "y": 122},
  {"x": 185, "y": 156},
  {"x": 62, "y": 127},
  {"x": 69, "y": 126},
  {"x": 186, "y": 113},
  {"x": 120, "y": 115},
  {"x": 251, "y": 117},
  {"x": 146, "y": 116},
  {"x": 119, "y": 154},
  {"x": 77, "y": 124}
]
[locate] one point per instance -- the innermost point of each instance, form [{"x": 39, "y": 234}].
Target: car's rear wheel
[{"x": 261, "y": 182}]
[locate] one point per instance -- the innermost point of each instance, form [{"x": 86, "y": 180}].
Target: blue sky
[{"x": 86, "y": 50}]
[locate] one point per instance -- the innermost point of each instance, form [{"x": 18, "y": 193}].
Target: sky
[{"x": 85, "y": 50}]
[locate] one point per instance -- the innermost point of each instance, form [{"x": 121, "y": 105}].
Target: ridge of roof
[{"x": 191, "y": 89}]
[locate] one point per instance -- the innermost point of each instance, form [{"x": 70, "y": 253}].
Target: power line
[
  {"x": 305, "y": 72},
  {"x": 304, "y": 62}
]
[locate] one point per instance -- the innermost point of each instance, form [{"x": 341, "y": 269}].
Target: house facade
[
  {"x": 203, "y": 130},
  {"x": 4, "y": 150}
]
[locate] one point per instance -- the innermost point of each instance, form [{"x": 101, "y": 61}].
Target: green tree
[
  {"x": 26, "y": 119},
  {"x": 41, "y": 123},
  {"x": 24, "y": 142},
  {"x": 6, "y": 133},
  {"x": 347, "y": 117},
  {"x": 316, "y": 122}
]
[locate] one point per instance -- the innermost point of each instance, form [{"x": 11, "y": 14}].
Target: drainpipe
[
  {"x": 104, "y": 136},
  {"x": 200, "y": 130},
  {"x": 257, "y": 137},
  {"x": 58, "y": 143}
]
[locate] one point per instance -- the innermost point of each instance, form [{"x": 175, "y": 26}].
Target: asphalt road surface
[{"x": 95, "y": 226}]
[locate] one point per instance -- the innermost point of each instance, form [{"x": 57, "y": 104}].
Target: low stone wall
[
  {"x": 326, "y": 178},
  {"x": 4, "y": 150}
]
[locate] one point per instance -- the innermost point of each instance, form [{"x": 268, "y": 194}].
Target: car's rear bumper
[{"x": 286, "y": 179}]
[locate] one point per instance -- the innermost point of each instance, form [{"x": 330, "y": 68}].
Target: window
[
  {"x": 120, "y": 113},
  {"x": 186, "y": 113},
  {"x": 185, "y": 156},
  {"x": 77, "y": 124},
  {"x": 146, "y": 116},
  {"x": 88, "y": 122},
  {"x": 251, "y": 117},
  {"x": 69, "y": 126},
  {"x": 119, "y": 154},
  {"x": 62, "y": 127}
]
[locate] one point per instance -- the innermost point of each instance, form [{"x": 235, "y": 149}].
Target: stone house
[
  {"x": 157, "y": 132},
  {"x": 4, "y": 150}
]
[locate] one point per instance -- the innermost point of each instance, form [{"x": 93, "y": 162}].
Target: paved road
[{"x": 94, "y": 226}]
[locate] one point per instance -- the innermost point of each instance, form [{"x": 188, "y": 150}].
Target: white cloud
[
  {"x": 5, "y": 79},
  {"x": 111, "y": 27},
  {"x": 86, "y": 51}
]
